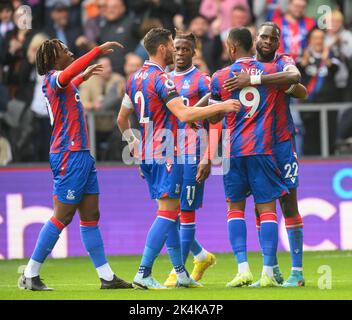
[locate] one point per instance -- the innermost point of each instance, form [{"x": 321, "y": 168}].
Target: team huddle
[{"x": 247, "y": 102}]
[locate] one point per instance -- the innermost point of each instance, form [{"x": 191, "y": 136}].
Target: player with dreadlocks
[{"x": 75, "y": 177}]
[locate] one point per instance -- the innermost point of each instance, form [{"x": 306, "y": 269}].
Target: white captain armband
[
  {"x": 255, "y": 80},
  {"x": 127, "y": 102}
]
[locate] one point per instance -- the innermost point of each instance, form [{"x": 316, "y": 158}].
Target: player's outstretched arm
[
  {"x": 79, "y": 65},
  {"x": 186, "y": 114},
  {"x": 241, "y": 79},
  {"x": 203, "y": 102}
]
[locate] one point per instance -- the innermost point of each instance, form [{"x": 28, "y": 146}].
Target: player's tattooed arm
[
  {"x": 241, "y": 79},
  {"x": 186, "y": 114}
]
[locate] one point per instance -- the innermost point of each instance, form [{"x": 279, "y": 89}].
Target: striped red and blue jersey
[
  {"x": 294, "y": 35},
  {"x": 285, "y": 126},
  {"x": 192, "y": 85},
  {"x": 67, "y": 115},
  {"x": 251, "y": 129},
  {"x": 150, "y": 89}
]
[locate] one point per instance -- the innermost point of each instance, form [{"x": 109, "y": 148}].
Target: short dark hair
[
  {"x": 241, "y": 36},
  {"x": 270, "y": 24},
  {"x": 154, "y": 38},
  {"x": 47, "y": 54},
  {"x": 186, "y": 36}
]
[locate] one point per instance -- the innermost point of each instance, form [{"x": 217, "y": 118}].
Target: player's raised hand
[
  {"x": 240, "y": 80},
  {"x": 109, "y": 46},
  {"x": 92, "y": 70},
  {"x": 231, "y": 105}
]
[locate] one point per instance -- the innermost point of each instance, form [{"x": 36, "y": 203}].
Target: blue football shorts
[
  {"x": 287, "y": 161},
  {"x": 191, "y": 191},
  {"x": 74, "y": 175},
  {"x": 164, "y": 178},
  {"x": 258, "y": 175}
]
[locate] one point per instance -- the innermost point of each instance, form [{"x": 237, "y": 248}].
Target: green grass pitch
[{"x": 75, "y": 278}]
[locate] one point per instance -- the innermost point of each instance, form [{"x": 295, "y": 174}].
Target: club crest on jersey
[
  {"x": 70, "y": 195},
  {"x": 186, "y": 84}
]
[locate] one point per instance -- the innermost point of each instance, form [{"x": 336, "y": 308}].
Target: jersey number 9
[{"x": 250, "y": 97}]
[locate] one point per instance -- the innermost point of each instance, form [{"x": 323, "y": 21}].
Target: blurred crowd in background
[{"x": 320, "y": 43}]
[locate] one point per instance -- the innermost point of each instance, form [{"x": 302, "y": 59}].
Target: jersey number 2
[{"x": 139, "y": 96}]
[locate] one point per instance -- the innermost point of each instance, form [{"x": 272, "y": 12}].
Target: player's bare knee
[
  {"x": 289, "y": 206},
  {"x": 65, "y": 218},
  {"x": 90, "y": 216},
  {"x": 168, "y": 204},
  {"x": 236, "y": 205}
]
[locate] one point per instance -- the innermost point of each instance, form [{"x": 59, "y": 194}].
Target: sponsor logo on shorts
[{"x": 70, "y": 195}]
